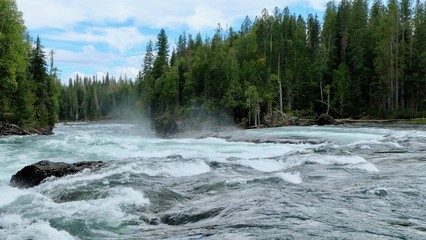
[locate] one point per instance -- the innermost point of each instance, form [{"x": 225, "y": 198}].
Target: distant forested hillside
[{"x": 86, "y": 98}]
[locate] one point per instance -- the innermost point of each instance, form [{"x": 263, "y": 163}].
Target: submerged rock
[
  {"x": 7, "y": 129},
  {"x": 185, "y": 217},
  {"x": 32, "y": 175},
  {"x": 325, "y": 119},
  {"x": 150, "y": 221}
]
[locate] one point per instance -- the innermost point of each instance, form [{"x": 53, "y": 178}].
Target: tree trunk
[{"x": 280, "y": 86}]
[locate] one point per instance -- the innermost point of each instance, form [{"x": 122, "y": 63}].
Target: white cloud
[
  {"x": 88, "y": 56},
  {"x": 318, "y": 4},
  {"x": 120, "y": 38},
  {"x": 100, "y": 75},
  {"x": 135, "y": 61},
  {"x": 77, "y": 73},
  {"x": 91, "y": 58},
  {"x": 195, "y": 14},
  {"x": 126, "y": 25},
  {"x": 205, "y": 17},
  {"x": 89, "y": 61},
  {"x": 126, "y": 71}
]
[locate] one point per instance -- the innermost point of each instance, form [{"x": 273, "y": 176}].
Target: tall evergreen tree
[
  {"x": 161, "y": 61},
  {"x": 357, "y": 61},
  {"x": 38, "y": 71},
  {"x": 149, "y": 58}
]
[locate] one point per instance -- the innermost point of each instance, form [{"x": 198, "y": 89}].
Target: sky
[{"x": 93, "y": 37}]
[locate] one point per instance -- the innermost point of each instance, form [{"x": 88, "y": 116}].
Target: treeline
[
  {"x": 360, "y": 61},
  {"x": 90, "y": 98},
  {"x": 28, "y": 85}
]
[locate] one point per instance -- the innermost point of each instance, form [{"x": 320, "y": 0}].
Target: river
[{"x": 337, "y": 182}]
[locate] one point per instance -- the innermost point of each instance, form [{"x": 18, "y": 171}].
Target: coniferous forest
[
  {"x": 29, "y": 86},
  {"x": 361, "y": 59}
]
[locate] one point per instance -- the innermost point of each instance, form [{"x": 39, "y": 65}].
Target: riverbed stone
[
  {"x": 43, "y": 131},
  {"x": 32, "y": 175},
  {"x": 7, "y": 129},
  {"x": 326, "y": 119}
]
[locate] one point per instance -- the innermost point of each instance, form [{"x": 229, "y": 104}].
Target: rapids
[{"x": 338, "y": 182}]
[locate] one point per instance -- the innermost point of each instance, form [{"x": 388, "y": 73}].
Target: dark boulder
[
  {"x": 279, "y": 119},
  {"x": 325, "y": 119},
  {"x": 184, "y": 218},
  {"x": 43, "y": 131},
  {"x": 7, "y": 129},
  {"x": 32, "y": 175},
  {"x": 275, "y": 119}
]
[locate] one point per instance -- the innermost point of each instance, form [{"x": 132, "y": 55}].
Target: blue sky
[{"x": 93, "y": 37}]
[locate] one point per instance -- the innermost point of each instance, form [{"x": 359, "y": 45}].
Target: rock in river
[
  {"x": 325, "y": 119},
  {"x": 32, "y": 175},
  {"x": 12, "y": 129}
]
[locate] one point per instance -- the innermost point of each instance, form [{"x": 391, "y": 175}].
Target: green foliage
[
  {"x": 415, "y": 121},
  {"x": 92, "y": 99},
  {"x": 28, "y": 92},
  {"x": 341, "y": 84},
  {"x": 13, "y": 56},
  {"x": 361, "y": 60},
  {"x": 161, "y": 61}
]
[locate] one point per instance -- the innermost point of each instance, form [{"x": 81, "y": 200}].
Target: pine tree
[
  {"x": 162, "y": 59},
  {"x": 149, "y": 58},
  {"x": 416, "y": 87},
  {"x": 246, "y": 26},
  {"x": 39, "y": 76},
  {"x": 342, "y": 86},
  {"x": 358, "y": 50},
  {"x": 405, "y": 49}
]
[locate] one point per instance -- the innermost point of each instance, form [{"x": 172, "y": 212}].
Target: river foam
[
  {"x": 306, "y": 181},
  {"x": 15, "y": 227}
]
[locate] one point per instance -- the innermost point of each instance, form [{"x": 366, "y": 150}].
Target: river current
[{"x": 338, "y": 182}]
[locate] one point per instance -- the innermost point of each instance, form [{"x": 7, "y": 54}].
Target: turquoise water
[{"x": 354, "y": 182}]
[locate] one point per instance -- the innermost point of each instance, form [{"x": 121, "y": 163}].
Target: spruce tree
[
  {"x": 149, "y": 58},
  {"x": 38, "y": 73},
  {"x": 162, "y": 59}
]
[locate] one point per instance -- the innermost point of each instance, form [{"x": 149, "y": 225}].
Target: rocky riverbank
[{"x": 7, "y": 129}]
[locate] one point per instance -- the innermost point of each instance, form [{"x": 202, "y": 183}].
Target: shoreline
[
  {"x": 7, "y": 129},
  {"x": 414, "y": 121}
]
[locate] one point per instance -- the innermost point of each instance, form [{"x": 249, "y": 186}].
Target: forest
[
  {"x": 362, "y": 59},
  {"x": 29, "y": 86},
  {"x": 87, "y": 98}
]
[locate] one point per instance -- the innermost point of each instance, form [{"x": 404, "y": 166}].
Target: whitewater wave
[
  {"x": 291, "y": 177},
  {"x": 14, "y": 227},
  {"x": 286, "y": 162}
]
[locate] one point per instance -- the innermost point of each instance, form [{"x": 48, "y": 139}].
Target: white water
[{"x": 151, "y": 177}]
